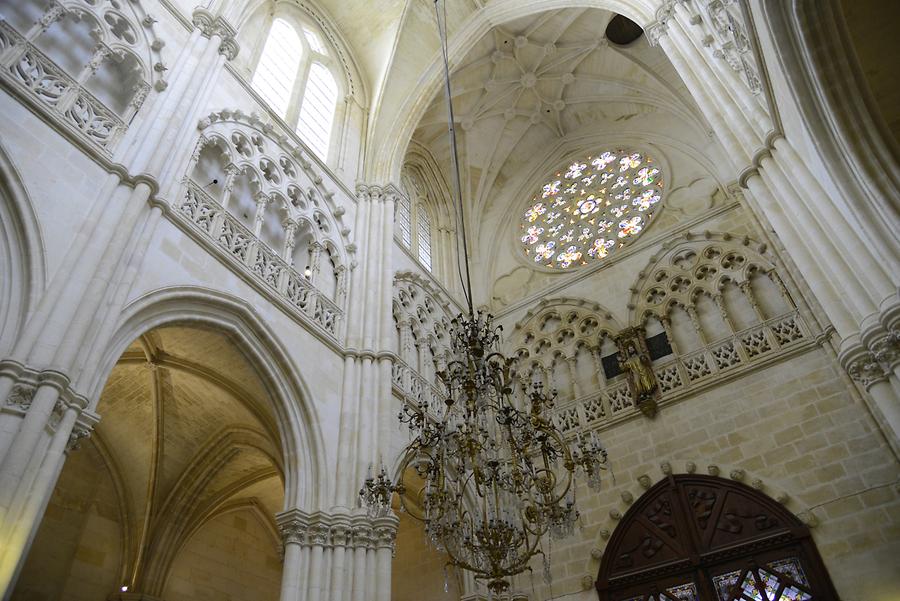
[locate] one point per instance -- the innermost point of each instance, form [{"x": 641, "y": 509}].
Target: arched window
[
  {"x": 404, "y": 221},
  {"x": 277, "y": 71},
  {"x": 294, "y": 75},
  {"x": 693, "y": 537},
  {"x": 424, "y": 236},
  {"x": 414, "y": 221},
  {"x": 317, "y": 112}
]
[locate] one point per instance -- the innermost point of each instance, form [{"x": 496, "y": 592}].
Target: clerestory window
[
  {"x": 414, "y": 222},
  {"x": 295, "y": 78}
]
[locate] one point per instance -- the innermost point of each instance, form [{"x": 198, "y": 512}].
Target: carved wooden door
[{"x": 692, "y": 538}]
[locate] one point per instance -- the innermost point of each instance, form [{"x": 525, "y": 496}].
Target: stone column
[
  {"x": 747, "y": 290},
  {"x": 262, "y": 202},
  {"x": 53, "y": 13},
  {"x": 695, "y": 321},
  {"x": 293, "y": 527},
  {"x": 92, "y": 279},
  {"x": 572, "y": 363},
  {"x": 385, "y": 537},
  {"x": 318, "y": 539},
  {"x": 290, "y": 232},
  {"x": 315, "y": 260},
  {"x": 231, "y": 172},
  {"x": 341, "y": 579},
  {"x": 720, "y": 303}
]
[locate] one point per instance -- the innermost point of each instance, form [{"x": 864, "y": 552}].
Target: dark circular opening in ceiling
[{"x": 623, "y": 31}]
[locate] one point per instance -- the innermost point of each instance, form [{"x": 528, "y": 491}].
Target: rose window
[{"x": 591, "y": 208}]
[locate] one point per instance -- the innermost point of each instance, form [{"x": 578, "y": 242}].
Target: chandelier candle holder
[
  {"x": 498, "y": 475},
  {"x": 493, "y": 473}
]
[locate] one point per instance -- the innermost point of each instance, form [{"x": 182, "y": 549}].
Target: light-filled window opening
[
  {"x": 317, "y": 110},
  {"x": 314, "y": 41},
  {"x": 424, "y": 237},
  {"x": 276, "y": 73},
  {"x": 413, "y": 220},
  {"x": 404, "y": 222},
  {"x": 591, "y": 208}
]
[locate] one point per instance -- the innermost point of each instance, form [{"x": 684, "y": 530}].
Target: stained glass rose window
[{"x": 591, "y": 208}]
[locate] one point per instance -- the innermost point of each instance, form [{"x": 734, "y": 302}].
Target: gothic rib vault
[{"x": 209, "y": 320}]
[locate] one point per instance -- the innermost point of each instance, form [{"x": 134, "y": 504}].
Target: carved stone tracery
[{"x": 689, "y": 528}]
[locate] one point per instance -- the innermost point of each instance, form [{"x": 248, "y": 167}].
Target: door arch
[{"x": 693, "y": 537}]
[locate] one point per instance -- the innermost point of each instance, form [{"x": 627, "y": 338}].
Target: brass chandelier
[{"x": 494, "y": 474}]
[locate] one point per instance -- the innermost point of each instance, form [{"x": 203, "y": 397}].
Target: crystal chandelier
[{"x": 493, "y": 473}]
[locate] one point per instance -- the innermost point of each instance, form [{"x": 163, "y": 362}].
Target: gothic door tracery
[{"x": 694, "y": 537}]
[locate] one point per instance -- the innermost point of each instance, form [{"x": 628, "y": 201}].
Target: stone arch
[
  {"x": 565, "y": 324},
  {"x": 241, "y": 14},
  {"x": 302, "y": 442},
  {"x": 826, "y": 83},
  {"x": 695, "y": 530},
  {"x": 257, "y": 148},
  {"x": 22, "y": 257},
  {"x": 174, "y": 534},
  {"x": 690, "y": 265}
]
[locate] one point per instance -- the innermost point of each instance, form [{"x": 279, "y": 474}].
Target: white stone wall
[{"x": 120, "y": 260}]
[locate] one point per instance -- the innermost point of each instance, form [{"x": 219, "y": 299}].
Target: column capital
[
  {"x": 292, "y": 525},
  {"x": 363, "y": 536},
  {"x": 886, "y": 350},
  {"x": 866, "y": 370},
  {"x": 79, "y": 433},
  {"x": 211, "y": 25}
]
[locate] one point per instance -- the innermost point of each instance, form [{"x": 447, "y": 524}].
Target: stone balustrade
[{"x": 243, "y": 251}]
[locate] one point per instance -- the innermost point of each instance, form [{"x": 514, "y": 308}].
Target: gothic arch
[
  {"x": 276, "y": 167},
  {"x": 22, "y": 257},
  {"x": 240, "y": 14},
  {"x": 302, "y": 444},
  {"x": 828, "y": 88},
  {"x": 693, "y": 536},
  {"x": 692, "y": 265},
  {"x": 564, "y": 324}
]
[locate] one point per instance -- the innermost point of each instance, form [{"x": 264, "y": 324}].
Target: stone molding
[
  {"x": 352, "y": 531},
  {"x": 26, "y": 382},
  {"x": 211, "y": 25},
  {"x": 873, "y": 355}
]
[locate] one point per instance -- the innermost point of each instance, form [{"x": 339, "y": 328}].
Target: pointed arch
[
  {"x": 694, "y": 536},
  {"x": 298, "y": 426},
  {"x": 22, "y": 256},
  {"x": 276, "y": 71}
]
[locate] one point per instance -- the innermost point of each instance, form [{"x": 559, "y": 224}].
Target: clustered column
[
  {"x": 42, "y": 380},
  {"x": 336, "y": 558},
  {"x": 840, "y": 253}
]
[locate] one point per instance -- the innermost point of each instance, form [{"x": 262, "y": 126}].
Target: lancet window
[
  {"x": 414, "y": 223},
  {"x": 295, "y": 75},
  {"x": 88, "y": 64}
]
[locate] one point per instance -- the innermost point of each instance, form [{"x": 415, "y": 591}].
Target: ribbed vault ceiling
[
  {"x": 531, "y": 86},
  {"x": 187, "y": 432}
]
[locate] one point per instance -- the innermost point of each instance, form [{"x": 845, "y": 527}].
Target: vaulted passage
[{"x": 174, "y": 494}]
